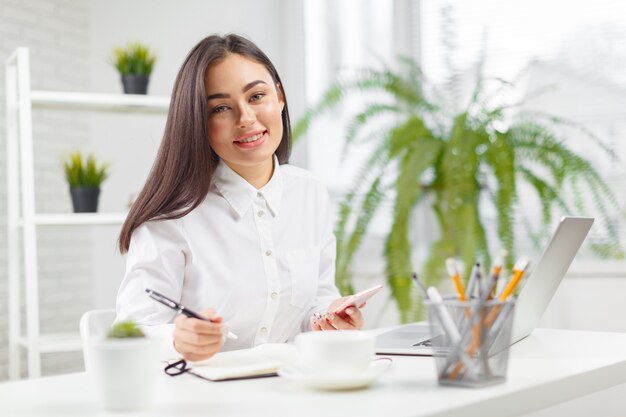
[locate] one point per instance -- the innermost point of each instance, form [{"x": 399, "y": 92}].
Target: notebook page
[{"x": 262, "y": 359}]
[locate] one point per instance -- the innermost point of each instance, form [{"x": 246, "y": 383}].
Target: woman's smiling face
[{"x": 244, "y": 112}]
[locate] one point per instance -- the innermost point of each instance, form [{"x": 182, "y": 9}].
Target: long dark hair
[{"x": 181, "y": 174}]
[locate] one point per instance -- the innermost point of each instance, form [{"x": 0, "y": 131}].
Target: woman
[{"x": 223, "y": 225}]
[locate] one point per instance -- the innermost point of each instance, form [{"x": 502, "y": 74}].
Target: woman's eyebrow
[
  {"x": 252, "y": 84},
  {"x": 217, "y": 95},
  {"x": 244, "y": 89}
]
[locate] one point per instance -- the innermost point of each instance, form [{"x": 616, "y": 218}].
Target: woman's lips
[{"x": 254, "y": 143}]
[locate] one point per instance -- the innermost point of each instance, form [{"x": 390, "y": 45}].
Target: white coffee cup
[{"x": 332, "y": 353}]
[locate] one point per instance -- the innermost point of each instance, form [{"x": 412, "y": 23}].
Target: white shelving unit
[{"x": 22, "y": 219}]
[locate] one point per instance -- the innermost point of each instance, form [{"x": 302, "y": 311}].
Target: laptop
[{"x": 533, "y": 299}]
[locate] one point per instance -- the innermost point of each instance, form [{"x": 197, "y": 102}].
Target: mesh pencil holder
[{"x": 471, "y": 340}]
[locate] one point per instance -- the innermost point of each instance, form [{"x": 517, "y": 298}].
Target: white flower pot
[{"x": 124, "y": 372}]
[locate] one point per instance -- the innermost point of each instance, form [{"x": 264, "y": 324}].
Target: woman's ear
[{"x": 281, "y": 96}]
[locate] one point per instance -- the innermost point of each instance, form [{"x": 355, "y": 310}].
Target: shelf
[
  {"x": 68, "y": 219},
  {"x": 60, "y": 342},
  {"x": 99, "y": 102},
  {"x": 22, "y": 244}
]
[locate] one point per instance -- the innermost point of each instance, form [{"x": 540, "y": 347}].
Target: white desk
[{"x": 549, "y": 367}]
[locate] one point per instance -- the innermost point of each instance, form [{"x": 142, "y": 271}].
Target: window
[
  {"x": 577, "y": 48},
  {"x": 341, "y": 37}
]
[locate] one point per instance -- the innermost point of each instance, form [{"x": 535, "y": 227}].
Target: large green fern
[{"x": 458, "y": 159}]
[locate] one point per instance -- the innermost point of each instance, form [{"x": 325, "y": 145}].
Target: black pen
[
  {"x": 182, "y": 309},
  {"x": 420, "y": 286}
]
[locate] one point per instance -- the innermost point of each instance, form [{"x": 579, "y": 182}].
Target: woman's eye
[
  {"x": 219, "y": 109},
  {"x": 257, "y": 96}
]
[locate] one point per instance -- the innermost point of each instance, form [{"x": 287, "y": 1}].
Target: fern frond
[
  {"x": 500, "y": 156},
  {"x": 398, "y": 246},
  {"x": 563, "y": 121},
  {"x": 367, "y": 210},
  {"x": 362, "y": 118},
  {"x": 548, "y": 194},
  {"x": 373, "y": 167}
]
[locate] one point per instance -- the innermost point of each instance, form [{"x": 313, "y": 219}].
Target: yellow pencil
[
  {"x": 518, "y": 272},
  {"x": 456, "y": 278},
  {"x": 495, "y": 274}
]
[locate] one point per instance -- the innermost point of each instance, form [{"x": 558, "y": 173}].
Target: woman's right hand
[{"x": 196, "y": 339}]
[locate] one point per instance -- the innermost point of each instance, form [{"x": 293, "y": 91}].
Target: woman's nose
[{"x": 246, "y": 116}]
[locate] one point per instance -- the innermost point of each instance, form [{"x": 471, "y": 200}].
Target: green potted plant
[
  {"x": 134, "y": 63},
  {"x": 84, "y": 177},
  {"x": 125, "y": 329},
  {"x": 457, "y": 159},
  {"x": 121, "y": 360}
]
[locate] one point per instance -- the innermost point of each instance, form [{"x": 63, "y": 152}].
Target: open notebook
[{"x": 260, "y": 361}]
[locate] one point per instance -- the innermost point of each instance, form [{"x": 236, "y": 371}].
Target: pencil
[
  {"x": 495, "y": 271},
  {"x": 469, "y": 291},
  {"x": 518, "y": 272},
  {"x": 456, "y": 278},
  {"x": 495, "y": 274}
]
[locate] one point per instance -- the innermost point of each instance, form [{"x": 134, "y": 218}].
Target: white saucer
[{"x": 336, "y": 382}]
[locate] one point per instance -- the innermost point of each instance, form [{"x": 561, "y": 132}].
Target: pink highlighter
[{"x": 356, "y": 300}]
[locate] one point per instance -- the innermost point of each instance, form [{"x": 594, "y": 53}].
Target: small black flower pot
[
  {"x": 85, "y": 199},
  {"x": 135, "y": 83}
]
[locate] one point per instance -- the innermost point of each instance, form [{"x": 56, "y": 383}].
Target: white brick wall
[{"x": 57, "y": 34}]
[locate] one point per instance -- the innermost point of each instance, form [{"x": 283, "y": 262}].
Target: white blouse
[{"x": 263, "y": 259}]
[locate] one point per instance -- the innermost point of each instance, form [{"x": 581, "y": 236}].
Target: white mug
[{"x": 330, "y": 353}]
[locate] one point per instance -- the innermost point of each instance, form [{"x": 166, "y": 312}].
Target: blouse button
[
  {"x": 260, "y": 213},
  {"x": 268, "y": 253},
  {"x": 274, "y": 295},
  {"x": 259, "y": 195},
  {"x": 263, "y": 329}
]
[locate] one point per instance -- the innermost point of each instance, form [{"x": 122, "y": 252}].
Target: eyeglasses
[{"x": 176, "y": 368}]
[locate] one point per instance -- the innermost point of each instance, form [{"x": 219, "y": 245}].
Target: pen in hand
[{"x": 182, "y": 309}]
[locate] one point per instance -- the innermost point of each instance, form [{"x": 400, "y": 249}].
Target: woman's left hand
[{"x": 352, "y": 320}]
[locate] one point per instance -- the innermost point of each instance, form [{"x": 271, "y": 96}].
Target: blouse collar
[{"x": 240, "y": 194}]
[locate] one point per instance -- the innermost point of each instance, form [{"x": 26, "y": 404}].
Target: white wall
[
  {"x": 590, "y": 298},
  {"x": 57, "y": 34}
]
